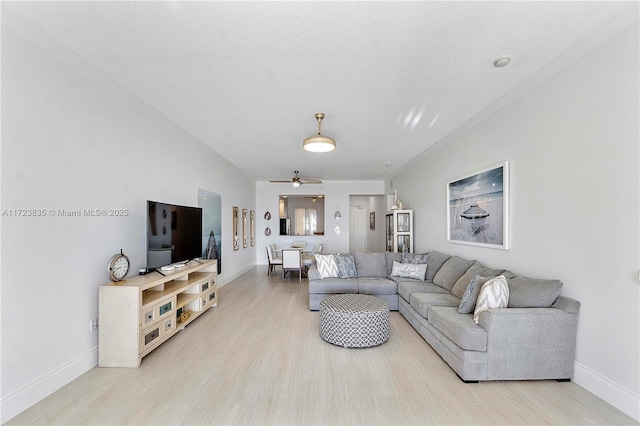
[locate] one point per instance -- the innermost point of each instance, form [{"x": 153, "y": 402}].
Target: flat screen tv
[{"x": 174, "y": 234}]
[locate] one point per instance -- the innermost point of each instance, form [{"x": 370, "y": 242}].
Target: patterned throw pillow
[
  {"x": 494, "y": 294},
  {"x": 416, "y": 259},
  {"x": 346, "y": 265},
  {"x": 409, "y": 270},
  {"x": 327, "y": 267},
  {"x": 470, "y": 295}
]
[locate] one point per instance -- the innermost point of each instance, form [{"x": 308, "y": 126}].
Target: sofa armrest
[
  {"x": 530, "y": 343},
  {"x": 313, "y": 273},
  {"x": 567, "y": 304}
]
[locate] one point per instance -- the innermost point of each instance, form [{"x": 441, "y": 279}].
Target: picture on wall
[
  {"x": 235, "y": 217},
  {"x": 211, "y": 204},
  {"x": 372, "y": 221},
  {"x": 245, "y": 228},
  {"x": 478, "y": 208}
]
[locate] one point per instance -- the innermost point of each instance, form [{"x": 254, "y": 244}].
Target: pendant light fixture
[{"x": 319, "y": 143}]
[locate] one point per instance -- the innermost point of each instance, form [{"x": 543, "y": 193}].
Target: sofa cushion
[
  {"x": 476, "y": 269},
  {"x": 421, "y": 302},
  {"x": 450, "y": 271},
  {"x": 371, "y": 264},
  {"x": 327, "y": 267},
  {"x": 434, "y": 262},
  {"x": 390, "y": 257},
  {"x": 407, "y": 287},
  {"x": 461, "y": 329},
  {"x": 493, "y": 295},
  {"x": 468, "y": 299},
  {"x": 346, "y": 265},
  {"x": 415, "y": 258},
  {"x": 377, "y": 286},
  {"x": 409, "y": 270},
  {"x": 333, "y": 285},
  {"x": 532, "y": 293}
]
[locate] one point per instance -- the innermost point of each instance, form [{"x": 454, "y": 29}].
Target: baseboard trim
[
  {"x": 608, "y": 390},
  {"x": 30, "y": 394},
  {"x": 224, "y": 279}
]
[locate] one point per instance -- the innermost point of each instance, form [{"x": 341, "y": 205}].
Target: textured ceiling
[{"x": 393, "y": 78}]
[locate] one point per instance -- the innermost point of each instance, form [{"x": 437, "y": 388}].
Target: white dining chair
[
  {"x": 309, "y": 259},
  {"x": 292, "y": 261},
  {"x": 273, "y": 259}
]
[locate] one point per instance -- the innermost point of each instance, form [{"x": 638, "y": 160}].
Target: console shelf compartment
[{"x": 138, "y": 314}]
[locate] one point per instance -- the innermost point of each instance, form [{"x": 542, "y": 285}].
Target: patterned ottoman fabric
[{"x": 354, "y": 320}]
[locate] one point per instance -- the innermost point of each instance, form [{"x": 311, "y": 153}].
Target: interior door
[{"x": 358, "y": 228}]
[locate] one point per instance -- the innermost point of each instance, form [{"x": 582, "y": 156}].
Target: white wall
[
  {"x": 72, "y": 140},
  {"x": 336, "y": 197},
  {"x": 573, "y": 144}
]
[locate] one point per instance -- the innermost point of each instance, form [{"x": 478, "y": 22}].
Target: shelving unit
[
  {"x": 399, "y": 231},
  {"x": 139, "y": 314}
]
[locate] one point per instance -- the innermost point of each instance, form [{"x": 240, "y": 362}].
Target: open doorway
[{"x": 366, "y": 223}]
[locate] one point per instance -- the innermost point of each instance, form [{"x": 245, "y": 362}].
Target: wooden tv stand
[{"x": 139, "y": 314}]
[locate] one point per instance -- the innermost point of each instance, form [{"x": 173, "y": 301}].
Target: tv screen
[{"x": 174, "y": 234}]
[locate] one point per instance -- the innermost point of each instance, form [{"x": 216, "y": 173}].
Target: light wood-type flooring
[{"x": 258, "y": 359}]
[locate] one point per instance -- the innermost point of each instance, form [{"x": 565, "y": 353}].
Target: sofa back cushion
[
  {"x": 451, "y": 271},
  {"x": 371, "y": 264},
  {"x": 413, "y": 258},
  {"x": 391, "y": 257},
  {"x": 532, "y": 293},
  {"x": 434, "y": 263},
  {"x": 476, "y": 269}
]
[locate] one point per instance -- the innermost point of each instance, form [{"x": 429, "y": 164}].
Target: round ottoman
[{"x": 354, "y": 320}]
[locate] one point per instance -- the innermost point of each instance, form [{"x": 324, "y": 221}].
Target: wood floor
[{"x": 258, "y": 359}]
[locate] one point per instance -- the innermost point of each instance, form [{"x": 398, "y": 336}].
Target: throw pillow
[
  {"x": 494, "y": 294},
  {"x": 409, "y": 270},
  {"x": 414, "y": 258},
  {"x": 327, "y": 267},
  {"x": 346, "y": 265},
  {"x": 470, "y": 295}
]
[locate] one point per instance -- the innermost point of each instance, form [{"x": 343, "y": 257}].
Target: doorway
[
  {"x": 357, "y": 228},
  {"x": 366, "y": 223}
]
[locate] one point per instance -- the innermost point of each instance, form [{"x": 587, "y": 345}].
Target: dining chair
[
  {"x": 309, "y": 259},
  {"x": 273, "y": 259},
  {"x": 292, "y": 261}
]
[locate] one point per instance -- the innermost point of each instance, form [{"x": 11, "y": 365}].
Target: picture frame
[
  {"x": 478, "y": 208},
  {"x": 245, "y": 228},
  {"x": 372, "y": 221},
  {"x": 236, "y": 236}
]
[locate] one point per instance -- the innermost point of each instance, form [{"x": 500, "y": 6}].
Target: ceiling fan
[{"x": 296, "y": 181}]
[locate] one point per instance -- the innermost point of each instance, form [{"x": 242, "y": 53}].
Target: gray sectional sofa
[{"x": 533, "y": 338}]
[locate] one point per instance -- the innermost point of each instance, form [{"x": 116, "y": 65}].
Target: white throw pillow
[
  {"x": 327, "y": 266},
  {"x": 409, "y": 270},
  {"x": 494, "y": 294}
]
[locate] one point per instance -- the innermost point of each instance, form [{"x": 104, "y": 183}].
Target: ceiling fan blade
[
  {"x": 310, "y": 181},
  {"x": 280, "y": 181}
]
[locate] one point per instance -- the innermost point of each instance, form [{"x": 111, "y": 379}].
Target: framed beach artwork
[{"x": 478, "y": 208}]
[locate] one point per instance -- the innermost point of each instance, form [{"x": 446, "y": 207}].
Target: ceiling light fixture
[{"x": 319, "y": 143}]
